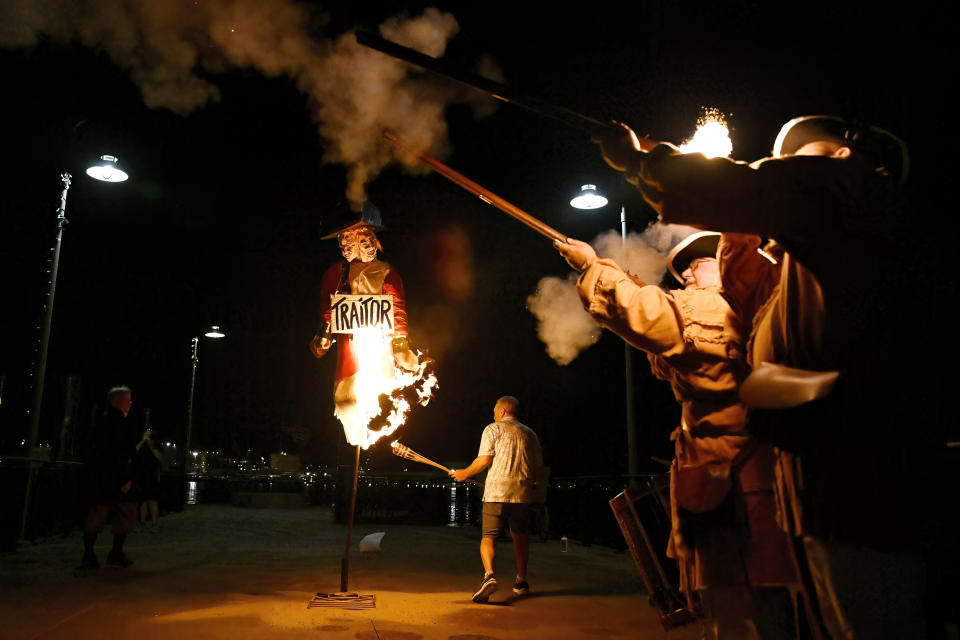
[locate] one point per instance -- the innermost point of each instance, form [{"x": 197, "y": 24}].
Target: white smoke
[
  {"x": 562, "y": 323},
  {"x": 172, "y": 51}
]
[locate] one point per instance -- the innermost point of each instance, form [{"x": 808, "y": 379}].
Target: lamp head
[
  {"x": 215, "y": 332},
  {"x": 107, "y": 169},
  {"x": 588, "y": 198}
]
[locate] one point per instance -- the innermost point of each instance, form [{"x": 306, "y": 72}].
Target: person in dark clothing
[
  {"x": 112, "y": 449},
  {"x": 149, "y": 459}
]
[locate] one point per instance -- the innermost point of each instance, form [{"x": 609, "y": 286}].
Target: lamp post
[
  {"x": 106, "y": 169},
  {"x": 215, "y": 333},
  {"x": 589, "y": 198}
]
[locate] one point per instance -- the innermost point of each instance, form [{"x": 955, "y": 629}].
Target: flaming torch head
[{"x": 399, "y": 449}]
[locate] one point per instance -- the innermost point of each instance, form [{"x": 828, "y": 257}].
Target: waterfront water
[
  {"x": 460, "y": 504},
  {"x": 378, "y": 498}
]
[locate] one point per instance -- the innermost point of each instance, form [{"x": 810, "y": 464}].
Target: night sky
[{"x": 221, "y": 218}]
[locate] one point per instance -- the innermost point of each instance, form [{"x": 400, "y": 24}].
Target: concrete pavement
[{"x": 217, "y": 572}]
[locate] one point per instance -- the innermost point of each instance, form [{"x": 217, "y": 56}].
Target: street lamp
[
  {"x": 109, "y": 172},
  {"x": 589, "y": 198},
  {"x": 215, "y": 333},
  {"x": 107, "y": 169}
]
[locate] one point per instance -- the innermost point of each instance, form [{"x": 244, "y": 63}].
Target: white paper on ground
[{"x": 372, "y": 541}]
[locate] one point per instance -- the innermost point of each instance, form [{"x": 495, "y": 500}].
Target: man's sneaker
[
  {"x": 521, "y": 587},
  {"x": 487, "y": 586},
  {"x": 119, "y": 559},
  {"x": 88, "y": 563}
]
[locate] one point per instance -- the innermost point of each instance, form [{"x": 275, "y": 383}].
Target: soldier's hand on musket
[
  {"x": 620, "y": 145},
  {"x": 577, "y": 253}
]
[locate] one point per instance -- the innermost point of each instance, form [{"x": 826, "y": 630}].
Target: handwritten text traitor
[{"x": 350, "y": 312}]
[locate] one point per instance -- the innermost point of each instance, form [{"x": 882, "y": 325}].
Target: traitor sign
[{"x": 351, "y": 312}]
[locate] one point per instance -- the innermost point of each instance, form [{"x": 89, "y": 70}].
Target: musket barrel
[
  {"x": 483, "y": 193},
  {"x": 491, "y": 88}
]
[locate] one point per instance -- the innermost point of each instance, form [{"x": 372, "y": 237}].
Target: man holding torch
[
  {"x": 512, "y": 452},
  {"x": 724, "y": 533},
  {"x": 853, "y": 484}
]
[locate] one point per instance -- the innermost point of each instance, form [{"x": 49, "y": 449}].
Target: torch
[{"x": 409, "y": 454}]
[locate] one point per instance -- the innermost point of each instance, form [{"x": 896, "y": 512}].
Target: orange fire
[{"x": 378, "y": 376}]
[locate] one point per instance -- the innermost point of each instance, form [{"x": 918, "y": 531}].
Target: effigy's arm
[
  {"x": 403, "y": 355},
  {"x": 323, "y": 339}
]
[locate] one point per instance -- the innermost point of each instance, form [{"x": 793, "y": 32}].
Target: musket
[
  {"x": 483, "y": 193},
  {"x": 493, "y": 89}
]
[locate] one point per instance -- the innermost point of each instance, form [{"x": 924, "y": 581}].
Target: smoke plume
[
  {"x": 562, "y": 323},
  {"x": 173, "y": 51}
]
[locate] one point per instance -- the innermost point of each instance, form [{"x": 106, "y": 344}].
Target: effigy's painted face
[{"x": 358, "y": 243}]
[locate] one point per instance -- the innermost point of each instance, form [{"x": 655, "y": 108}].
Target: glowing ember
[
  {"x": 377, "y": 376},
  {"x": 712, "y": 137}
]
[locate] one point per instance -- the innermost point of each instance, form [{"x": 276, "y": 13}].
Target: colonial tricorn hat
[
  {"x": 702, "y": 244},
  {"x": 881, "y": 148},
  {"x": 368, "y": 215}
]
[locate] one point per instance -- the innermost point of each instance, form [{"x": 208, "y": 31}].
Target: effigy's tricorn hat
[
  {"x": 879, "y": 147},
  {"x": 368, "y": 215},
  {"x": 702, "y": 244}
]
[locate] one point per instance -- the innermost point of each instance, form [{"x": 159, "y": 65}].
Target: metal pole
[
  {"x": 628, "y": 370},
  {"x": 345, "y": 564},
  {"x": 193, "y": 383},
  {"x": 41, "y": 368}
]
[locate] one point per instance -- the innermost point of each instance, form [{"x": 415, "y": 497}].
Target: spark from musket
[{"x": 712, "y": 137}]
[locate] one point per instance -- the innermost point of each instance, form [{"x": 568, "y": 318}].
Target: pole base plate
[{"x": 341, "y": 600}]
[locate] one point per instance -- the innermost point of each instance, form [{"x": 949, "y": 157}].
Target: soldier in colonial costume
[
  {"x": 847, "y": 297},
  {"x": 724, "y": 533}
]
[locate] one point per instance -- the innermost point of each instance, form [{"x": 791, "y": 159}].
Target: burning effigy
[{"x": 364, "y": 306}]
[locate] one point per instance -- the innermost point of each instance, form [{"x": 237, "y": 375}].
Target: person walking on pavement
[{"x": 512, "y": 452}]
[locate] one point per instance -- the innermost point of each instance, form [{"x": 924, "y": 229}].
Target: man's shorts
[{"x": 497, "y": 514}]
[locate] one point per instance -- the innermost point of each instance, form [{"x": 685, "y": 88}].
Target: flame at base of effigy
[{"x": 378, "y": 376}]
